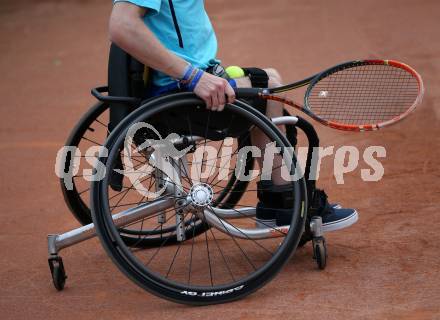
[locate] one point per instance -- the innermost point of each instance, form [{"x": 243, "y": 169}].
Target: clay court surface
[{"x": 387, "y": 266}]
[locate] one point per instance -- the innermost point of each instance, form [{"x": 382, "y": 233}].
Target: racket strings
[{"x": 364, "y": 94}]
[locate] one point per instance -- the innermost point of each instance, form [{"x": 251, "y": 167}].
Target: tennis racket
[{"x": 354, "y": 96}]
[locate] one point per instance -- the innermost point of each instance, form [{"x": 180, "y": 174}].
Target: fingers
[
  {"x": 208, "y": 101},
  {"x": 221, "y": 96},
  {"x": 202, "y": 91},
  {"x": 215, "y": 98},
  {"x": 215, "y": 92},
  {"x": 230, "y": 93}
]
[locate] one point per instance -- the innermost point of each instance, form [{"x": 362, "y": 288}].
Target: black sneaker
[{"x": 334, "y": 217}]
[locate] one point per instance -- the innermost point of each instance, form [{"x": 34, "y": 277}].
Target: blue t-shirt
[{"x": 198, "y": 43}]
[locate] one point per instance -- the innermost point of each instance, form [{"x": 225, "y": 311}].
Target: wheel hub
[{"x": 201, "y": 195}]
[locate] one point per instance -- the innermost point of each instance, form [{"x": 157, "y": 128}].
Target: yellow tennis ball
[{"x": 234, "y": 72}]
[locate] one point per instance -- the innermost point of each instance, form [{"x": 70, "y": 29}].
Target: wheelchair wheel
[
  {"x": 92, "y": 131},
  {"x": 233, "y": 257}
]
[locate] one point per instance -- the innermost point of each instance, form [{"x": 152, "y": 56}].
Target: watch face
[{"x": 218, "y": 70}]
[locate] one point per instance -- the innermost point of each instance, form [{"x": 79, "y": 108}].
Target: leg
[
  {"x": 276, "y": 195},
  {"x": 277, "y": 192},
  {"x": 274, "y": 109}
]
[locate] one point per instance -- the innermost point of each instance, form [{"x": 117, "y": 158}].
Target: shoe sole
[{"x": 341, "y": 224}]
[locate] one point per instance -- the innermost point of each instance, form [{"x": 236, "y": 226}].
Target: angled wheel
[
  {"x": 90, "y": 131},
  {"x": 232, "y": 257}
]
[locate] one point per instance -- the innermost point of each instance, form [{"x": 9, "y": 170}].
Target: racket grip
[{"x": 247, "y": 93}]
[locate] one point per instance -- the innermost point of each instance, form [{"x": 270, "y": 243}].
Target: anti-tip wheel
[{"x": 58, "y": 272}]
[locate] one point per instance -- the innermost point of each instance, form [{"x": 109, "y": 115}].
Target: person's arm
[{"x": 128, "y": 30}]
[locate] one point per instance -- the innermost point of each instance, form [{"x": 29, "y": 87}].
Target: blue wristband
[
  {"x": 188, "y": 72},
  {"x": 233, "y": 83},
  {"x": 195, "y": 80}
]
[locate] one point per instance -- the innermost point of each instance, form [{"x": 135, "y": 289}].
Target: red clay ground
[{"x": 385, "y": 267}]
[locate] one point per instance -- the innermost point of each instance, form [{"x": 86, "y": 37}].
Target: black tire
[
  {"x": 77, "y": 198},
  {"x": 59, "y": 279},
  {"x": 126, "y": 259},
  {"x": 320, "y": 254},
  {"x": 58, "y": 273}
]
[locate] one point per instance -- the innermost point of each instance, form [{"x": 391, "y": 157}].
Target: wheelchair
[{"x": 197, "y": 241}]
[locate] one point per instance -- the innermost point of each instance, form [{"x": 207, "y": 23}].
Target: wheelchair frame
[{"x": 58, "y": 242}]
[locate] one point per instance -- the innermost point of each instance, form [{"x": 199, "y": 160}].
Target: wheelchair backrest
[
  {"x": 125, "y": 74},
  {"x": 125, "y": 79}
]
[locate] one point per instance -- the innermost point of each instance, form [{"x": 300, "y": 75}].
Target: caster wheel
[
  {"x": 58, "y": 272},
  {"x": 320, "y": 253}
]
